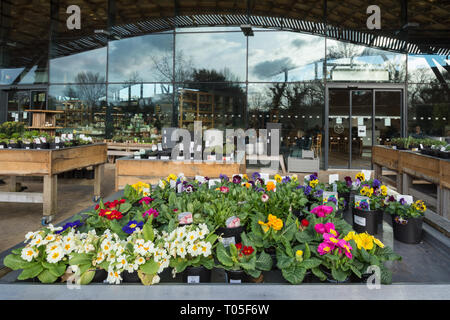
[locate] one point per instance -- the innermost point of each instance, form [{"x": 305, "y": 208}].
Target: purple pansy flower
[
  {"x": 376, "y": 183},
  {"x": 237, "y": 179},
  {"x": 256, "y": 175},
  {"x": 318, "y": 193},
  {"x": 224, "y": 177},
  {"x": 307, "y": 190},
  {"x": 73, "y": 225},
  {"x": 286, "y": 179}
]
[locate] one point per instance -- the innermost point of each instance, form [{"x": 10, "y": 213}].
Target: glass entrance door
[
  {"x": 353, "y": 115},
  {"x": 20, "y": 100}
]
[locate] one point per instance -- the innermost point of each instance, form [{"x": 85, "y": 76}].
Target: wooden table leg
[
  {"x": 50, "y": 196},
  {"x": 12, "y": 184},
  {"x": 99, "y": 173}
]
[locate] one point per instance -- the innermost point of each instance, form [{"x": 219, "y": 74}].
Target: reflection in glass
[
  {"x": 223, "y": 55},
  {"x": 138, "y": 110},
  {"x": 361, "y": 133},
  {"x": 217, "y": 105},
  {"x": 285, "y": 56},
  {"x": 18, "y": 101},
  {"x": 428, "y": 68},
  {"x": 84, "y": 67},
  {"x": 428, "y": 108},
  {"x": 297, "y": 107},
  {"x": 146, "y": 58},
  {"x": 350, "y": 62},
  {"x": 339, "y": 124},
  {"x": 84, "y": 107}
]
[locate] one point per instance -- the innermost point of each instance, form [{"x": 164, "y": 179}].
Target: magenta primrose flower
[
  {"x": 322, "y": 211},
  {"x": 320, "y": 228},
  {"x": 330, "y": 228},
  {"x": 147, "y": 200},
  {"x": 150, "y": 212},
  {"x": 325, "y": 248}
]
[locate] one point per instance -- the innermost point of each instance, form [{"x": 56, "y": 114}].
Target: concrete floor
[{"x": 74, "y": 195}]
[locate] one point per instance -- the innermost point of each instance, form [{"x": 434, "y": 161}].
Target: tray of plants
[{"x": 186, "y": 231}]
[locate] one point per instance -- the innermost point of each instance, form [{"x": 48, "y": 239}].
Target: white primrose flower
[
  {"x": 29, "y": 253},
  {"x": 55, "y": 256},
  {"x": 29, "y": 236},
  {"x": 114, "y": 277},
  {"x": 52, "y": 247},
  {"x": 206, "y": 249},
  {"x": 53, "y": 229},
  {"x": 181, "y": 250},
  {"x": 122, "y": 261},
  {"x": 37, "y": 241},
  {"x": 162, "y": 184},
  {"x": 106, "y": 246},
  {"x": 194, "y": 249},
  {"x": 192, "y": 236},
  {"x": 140, "y": 260}
]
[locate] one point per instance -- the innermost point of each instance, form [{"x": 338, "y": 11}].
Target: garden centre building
[{"x": 343, "y": 75}]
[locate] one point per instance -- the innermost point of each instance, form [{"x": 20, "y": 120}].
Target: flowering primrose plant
[{"x": 404, "y": 211}]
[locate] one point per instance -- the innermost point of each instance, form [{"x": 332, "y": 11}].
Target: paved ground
[{"x": 74, "y": 195}]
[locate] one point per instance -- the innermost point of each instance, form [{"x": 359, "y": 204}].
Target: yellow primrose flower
[
  {"x": 365, "y": 241},
  {"x": 278, "y": 178},
  {"x": 313, "y": 183},
  {"x": 265, "y": 226},
  {"x": 299, "y": 253},
  {"x": 378, "y": 242},
  {"x": 350, "y": 236}
]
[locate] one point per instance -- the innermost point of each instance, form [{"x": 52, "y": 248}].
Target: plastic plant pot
[
  {"x": 407, "y": 231},
  {"x": 235, "y": 276},
  {"x": 272, "y": 252},
  {"x": 330, "y": 278},
  {"x": 196, "y": 275},
  {"x": 346, "y": 196},
  {"x": 365, "y": 221},
  {"x": 100, "y": 276},
  {"x": 230, "y": 235},
  {"x": 130, "y": 277}
]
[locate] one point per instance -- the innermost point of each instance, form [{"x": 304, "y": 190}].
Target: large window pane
[
  {"x": 217, "y": 105},
  {"x": 84, "y": 107},
  {"x": 85, "y": 67},
  {"x": 24, "y": 36},
  {"x": 285, "y": 56},
  {"x": 428, "y": 68},
  {"x": 138, "y": 110},
  {"x": 350, "y": 62},
  {"x": 428, "y": 108},
  {"x": 221, "y": 55},
  {"x": 298, "y": 107},
  {"x": 146, "y": 58}
]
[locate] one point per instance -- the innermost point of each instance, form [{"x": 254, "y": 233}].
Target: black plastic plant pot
[
  {"x": 230, "y": 235},
  {"x": 14, "y": 145},
  {"x": 235, "y": 276},
  {"x": 299, "y": 214},
  {"x": 272, "y": 252},
  {"x": 196, "y": 275},
  {"x": 346, "y": 196},
  {"x": 130, "y": 277},
  {"x": 339, "y": 214},
  {"x": 27, "y": 146},
  {"x": 407, "y": 231},
  {"x": 100, "y": 276},
  {"x": 44, "y": 145},
  {"x": 37, "y": 146},
  {"x": 330, "y": 278},
  {"x": 53, "y": 145},
  {"x": 365, "y": 221},
  {"x": 444, "y": 154}
]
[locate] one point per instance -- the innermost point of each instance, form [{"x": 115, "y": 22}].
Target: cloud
[{"x": 269, "y": 68}]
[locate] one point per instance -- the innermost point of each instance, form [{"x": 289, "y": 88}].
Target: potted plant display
[
  {"x": 242, "y": 259},
  {"x": 407, "y": 220},
  {"x": 191, "y": 248}
]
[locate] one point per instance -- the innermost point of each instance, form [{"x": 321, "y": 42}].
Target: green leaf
[
  {"x": 365, "y": 255},
  {"x": 150, "y": 267},
  {"x": 86, "y": 277},
  {"x": 339, "y": 274},
  {"x": 233, "y": 250},
  {"x": 31, "y": 272},
  {"x": 311, "y": 263},
  {"x": 147, "y": 231},
  {"x": 47, "y": 277},
  {"x": 58, "y": 269},
  {"x": 254, "y": 273},
  {"x": 15, "y": 262},
  {"x": 264, "y": 262},
  {"x": 80, "y": 258},
  {"x": 283, "y": 260},
  {"x": 355, "y": 271},
  {"x": 303, "y": 236},
  {"x": 307, "y": 253},
  {"x": 386, "y": 275},
  {"x": 124, "y": 207},
  {"x": 319, "y": 274},
  {"x": 294, "y": 274},
  {"x": 223, "y": 256}
]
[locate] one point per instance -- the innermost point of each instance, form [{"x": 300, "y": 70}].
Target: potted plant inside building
[
  {"x": 407, "y": 219},
  {"x": 3, "y": 141},
  {"x": 15, "y": 141}
]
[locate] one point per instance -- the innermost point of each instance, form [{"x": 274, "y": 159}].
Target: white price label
[
  {"x": 359, "y": 220},
  {"x": 367, "y": 174},
  {"x": 227, "y": 241},
  {"x": 212, "y": 182},
  {"x": 332, "y": 178},
  {"x": 193, "y": 279},
  {"x": 235, "y": 281}
]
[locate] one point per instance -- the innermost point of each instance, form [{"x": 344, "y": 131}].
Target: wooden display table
[
  {"x": 124, "y": 149},
  {"x": 130, "y": 171},
  {"x": 49, "y": 163},
  {"x": 411, "y": 165}
]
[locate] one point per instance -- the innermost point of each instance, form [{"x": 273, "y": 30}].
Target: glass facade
[{"x": 131, "y": 70}]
